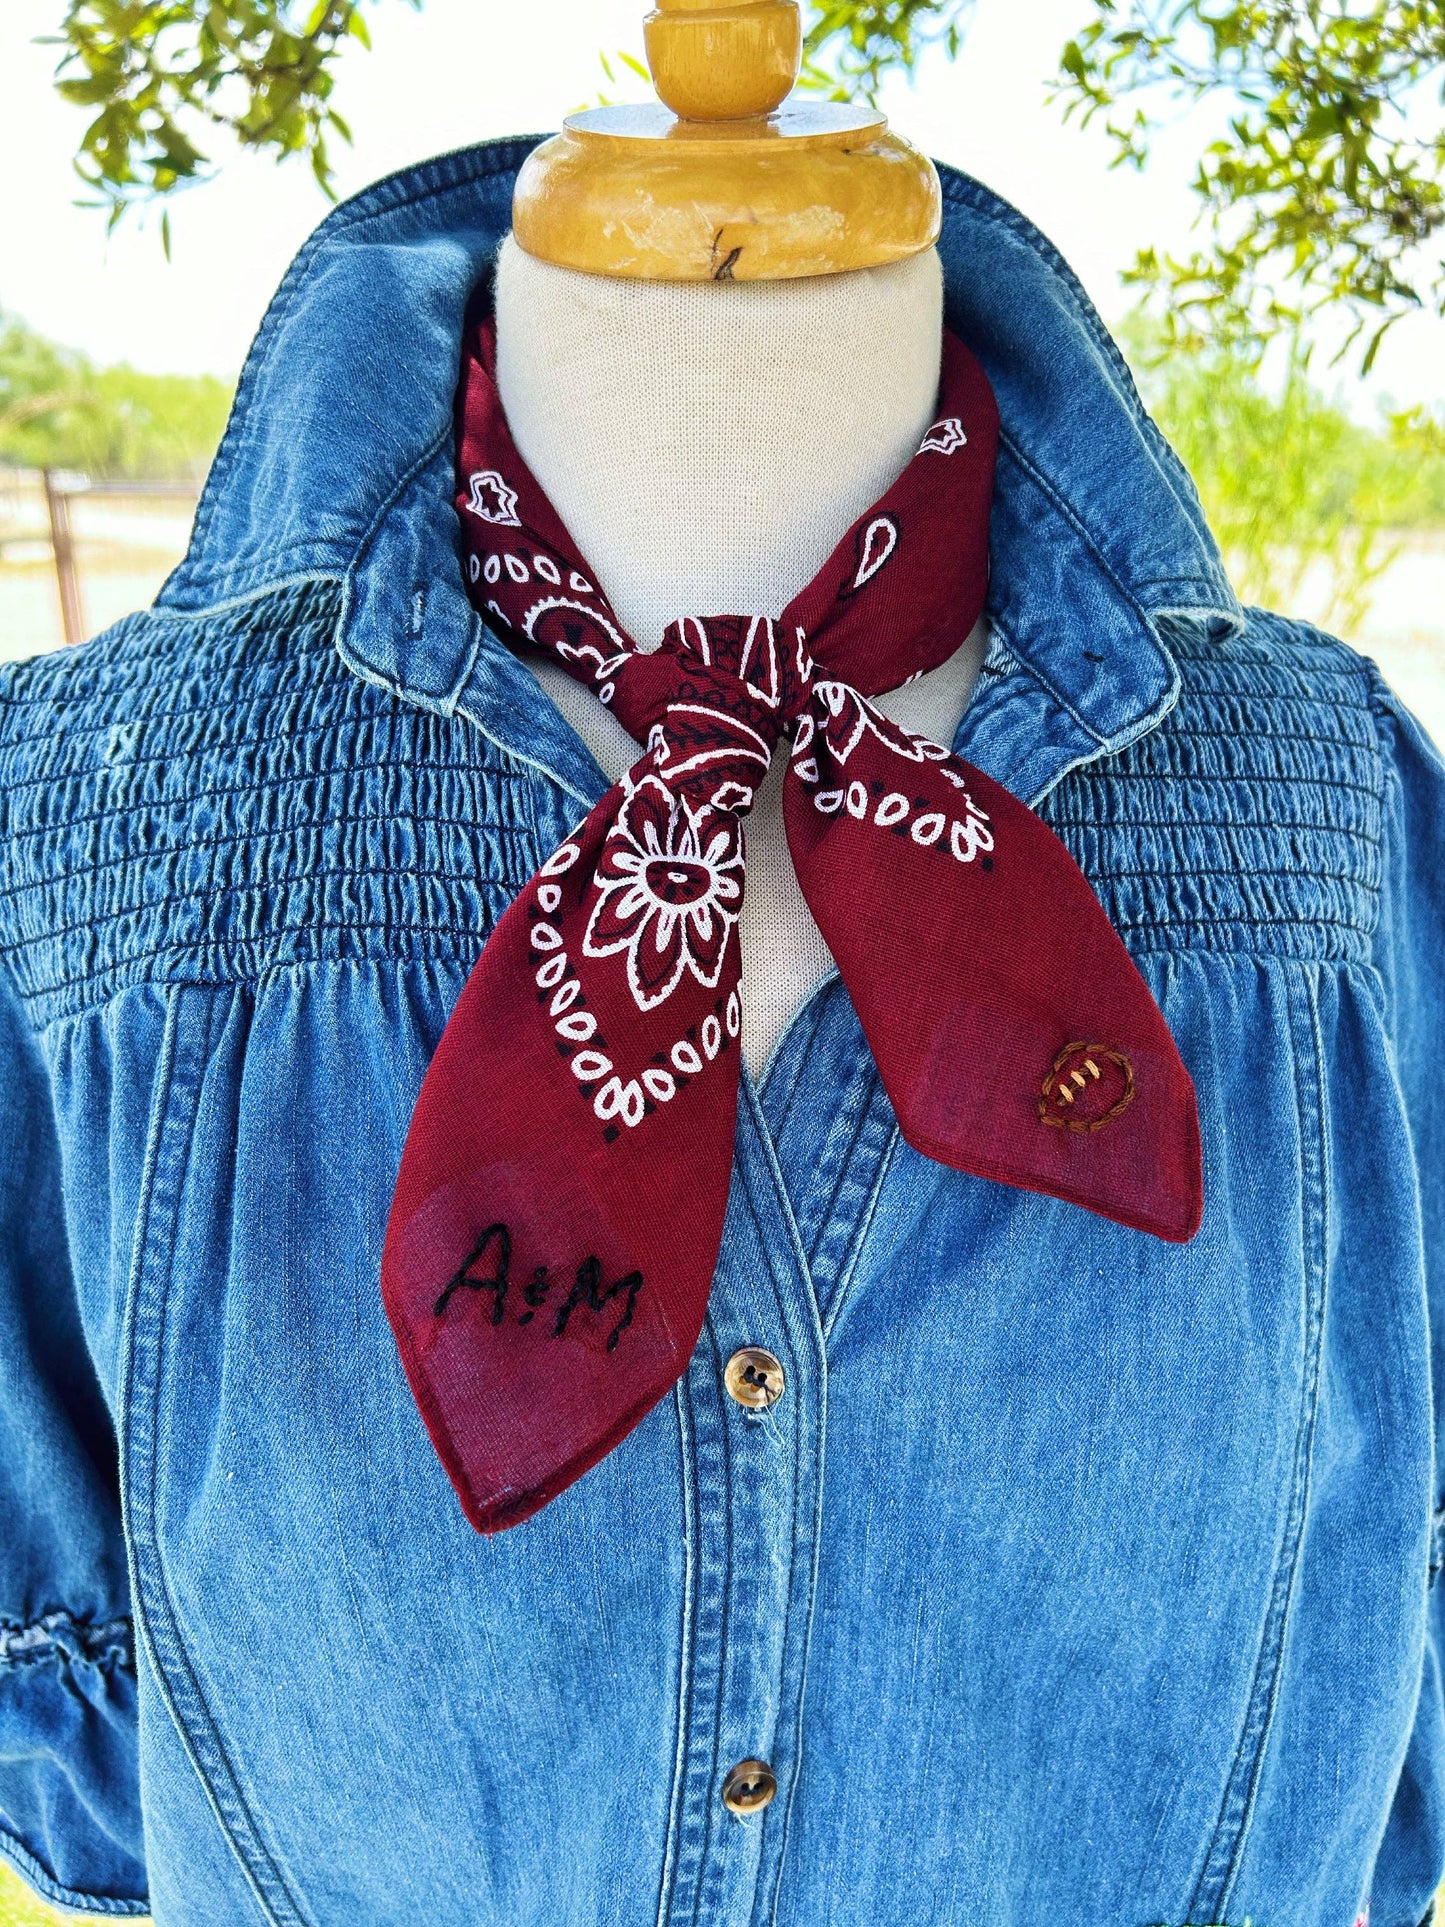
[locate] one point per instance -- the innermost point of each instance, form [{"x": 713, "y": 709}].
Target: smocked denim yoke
[{"x": 1076, "y": 1578}]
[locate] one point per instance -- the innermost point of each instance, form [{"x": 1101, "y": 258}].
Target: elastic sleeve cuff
[{"x": 70, "y": 1819}]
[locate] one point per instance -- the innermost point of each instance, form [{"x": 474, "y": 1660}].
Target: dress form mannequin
[{"x": 707, "y": 441}]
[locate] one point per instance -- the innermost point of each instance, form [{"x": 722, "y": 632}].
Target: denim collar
[{"x": 337, "y": 463}]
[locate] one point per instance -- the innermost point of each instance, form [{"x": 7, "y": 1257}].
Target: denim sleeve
[
  {"x": 1410, "y": 955},
  {"x": 69, "y": 1788}
]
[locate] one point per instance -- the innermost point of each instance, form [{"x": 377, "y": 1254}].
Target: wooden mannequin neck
[{"x": 708, "y": 443}]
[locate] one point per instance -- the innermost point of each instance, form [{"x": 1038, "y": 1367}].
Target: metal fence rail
[{"x": 106, "y": 547}]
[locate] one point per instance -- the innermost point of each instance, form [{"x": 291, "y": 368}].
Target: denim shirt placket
[{"x": 805, "y": 1182}]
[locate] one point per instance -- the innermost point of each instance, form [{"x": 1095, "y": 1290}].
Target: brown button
[
  {"x": 754, "y": 1378},
  {"x": 749, "y": 1787},
  {"x": 1088, "y": 1085}
]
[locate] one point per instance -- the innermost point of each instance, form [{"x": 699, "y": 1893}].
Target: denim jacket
[{"x": 1075, "y": 1578}]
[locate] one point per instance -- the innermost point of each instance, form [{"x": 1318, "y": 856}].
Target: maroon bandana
[{"x": 560, "y": 1203}]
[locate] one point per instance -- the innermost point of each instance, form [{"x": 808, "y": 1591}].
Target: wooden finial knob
[
  {"x": 724, "y": 178},
  {"x": 730, "y": 62}
]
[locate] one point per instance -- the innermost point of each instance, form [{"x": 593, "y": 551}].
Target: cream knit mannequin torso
[{"x": 707, "y": 445}]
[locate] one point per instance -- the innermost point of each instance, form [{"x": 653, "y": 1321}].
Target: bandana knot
[{"x": 728, "y": 687}]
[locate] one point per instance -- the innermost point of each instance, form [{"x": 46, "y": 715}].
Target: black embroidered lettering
[
  {"x": 489, "y": 1268},
  {"x": 535, "y": 1294},
  {"x": 589, "y": 1286},
  {"x": 589, "y": 1273},
  {"x": 497, "y": 1283},
  {"x": 633, "y": 1282}
]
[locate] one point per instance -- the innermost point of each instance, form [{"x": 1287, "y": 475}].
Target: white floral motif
[
  {"x": 606, "y": 660},
  {"x": 669, "y": 887},
  {"x": 944, "y": 437},
  {"x": 876, "y": 544},
  {"x": 702, "y": 735},
  {"x": 851, "y": 717},
  {"x": 492, "y": 500}
]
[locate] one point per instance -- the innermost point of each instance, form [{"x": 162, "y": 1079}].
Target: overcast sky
[{"x": 467, "y": 70}]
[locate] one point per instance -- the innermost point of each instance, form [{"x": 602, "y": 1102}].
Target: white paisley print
[{"x": 669, "y": 887}]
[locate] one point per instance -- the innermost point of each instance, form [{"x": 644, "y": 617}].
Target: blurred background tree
[
  {"x": 113, "y": 424},
  {"x": 1310, "y": 506},
  {"x": 1321, "y": 192}
]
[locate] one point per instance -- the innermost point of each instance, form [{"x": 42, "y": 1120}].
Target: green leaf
[{"x": 1320, "y": 186}]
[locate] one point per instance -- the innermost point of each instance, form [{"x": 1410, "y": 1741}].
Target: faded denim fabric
[{"x": 1076, "y": 1578}]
